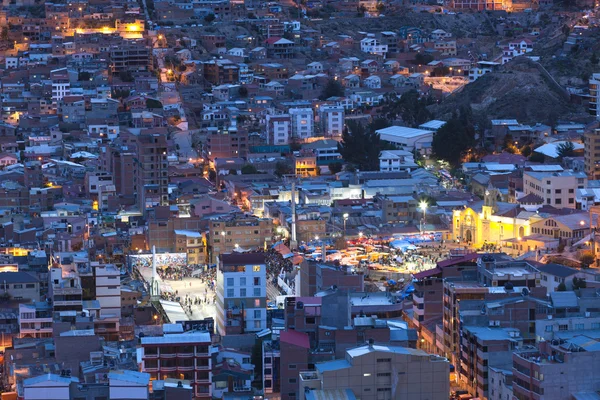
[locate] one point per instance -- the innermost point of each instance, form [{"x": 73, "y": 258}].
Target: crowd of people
[{"x": 276, "y": 263}]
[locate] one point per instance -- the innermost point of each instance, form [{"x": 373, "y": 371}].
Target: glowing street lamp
[
  {"x": 423, "y": 207},
  {"x": 345, "y": 220}
]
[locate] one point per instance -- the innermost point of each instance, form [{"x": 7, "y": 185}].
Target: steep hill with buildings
[{"x": 521, "y": 90}]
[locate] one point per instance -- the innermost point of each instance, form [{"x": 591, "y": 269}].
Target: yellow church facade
[{"x": 490, "y": 222}]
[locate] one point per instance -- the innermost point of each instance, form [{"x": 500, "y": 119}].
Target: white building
[
  {"x": 331, "y": 119},
  {"x": 108, "y": 290},
  {"x": 303, "y": 122},
  {"x": 408, "y": 138},
  {"x": 128, "y": 385},
  {"x": 482, "y": 68},
  {"x": 372, "y": 45},
  {"x": 48, "y": 387},
  {"x": 279, "y": 129},
  {"x": 241, "y": 293},
  {"x": 396, "y": 160},
  {"x": 555, "y": 188}
]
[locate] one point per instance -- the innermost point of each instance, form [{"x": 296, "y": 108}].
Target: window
[
  {"x": 292, "y": 366},
  {"x": 230, "y": 292},
  {"x": 243, "y": 281},
  {"x": 30, "y": 286},
  {"x": 595, "y": 325},
  {"x": 557, "y": 201},
  {"x": 230, "y": 282},
  {"x": 243, "y": 292},
  {"x": 268, "y": 383},
  {"x": 310, "y": 320},
  {"x": 579, "y": 326},
  {"x": 571, "y": 190},
  {"x": 571, "y": 200},
  {"x": 384, "y": 374},
  {"x": 256, "y": 268},
  {"x": 564, "y": 327},
  {"x": 257, "y": 314},
  {"x": 257, "y": 281},
  {"x": 382, "y": 360},
  {"x": 558, "y": 191},
  {"x": 17, "y": 286},
  {"x": 257, "y": 292},
  {"x": 292, "y": 380}
]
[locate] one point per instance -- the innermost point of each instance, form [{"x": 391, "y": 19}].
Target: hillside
[{"x": 520, "y": 91}]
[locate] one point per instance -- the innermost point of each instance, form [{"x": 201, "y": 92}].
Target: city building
[
  {"x": 241, "y": 293},
  {"x": 302, "y": 122},
  {"x": 556, "y": 188},
  {"x": 234, "y": 232},
  {"x": 182, "y": 356},
  {"x": 377, "y": 371}
]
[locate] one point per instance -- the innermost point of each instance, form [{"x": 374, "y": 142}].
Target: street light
[
  {"x": 423, "y": 207},
  {"x": 360, "y": 235},
  {"x": 345, "y": 220}
]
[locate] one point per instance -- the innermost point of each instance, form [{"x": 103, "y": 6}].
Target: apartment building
[
  {"x": 305, "y": 163},
  {"x": 238, "y": 231},
  {"x": 152, "y": 180},
  {"x": 376, "y": 372},
  {"x": 230, "y": 142},
  {"x": 279, "y": 129},
  {"x": 35, "y": 320},
  {"x": 396, "y": 209},
  {"x": 594, "y": 103},
  {"x": 302, "y": 122},
  {"x": 181, "y": 356},
  {"x": 241, "y": 293},
  {"x": 108, "y": 290},
  {"x": 331, "y": 119},
  {"x": 556, "y": 188},
  {"x": 130, "y": 56},
  {"x": 557, "y": 370},
  {"x": 191, "y": 243},
  {"x": 65, "y": 290},
  {"x": 482, "y": 348},
  {"x": 373, "y": 46},
  {"x": 591, "y": 141}
]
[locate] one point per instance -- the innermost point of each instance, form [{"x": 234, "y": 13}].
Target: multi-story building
[
  {"x": 594, "y": 104},
  {"x": 592, "y": 153},
  {"x": 108, "y": 290},
  {"x": 35, "y": 320},
  {"x": 278, "y": 47},
  {"x": 152, "y": 179},
  {"x": 479, "y": 5},
  {"x": 219, "y": 72},
  {"x": 241, "y": 293},
  {"x": 182, "y": 356},
  {"x": 371, "y": 45},
  {"x": 482, "y": 348},
  {"x": 238, "y": 231},
  {"x": 65, "y": 290},
  {"x": 61, "y": 85},
  {"x": 557, "y": 370},
  {"x": 397, "y": 208},
  {"x": 303, "y": 123},
  {"x": 556, "y": 188},
  {"x": 279, "y": 129},
  {"x": 381, "y": 372},
  {"x": 305, "y": 163},
  {"x": 231, "y": 142},
  {"x": 331, "y": 119},
  {"x": 130, "y": 56},
  {"x": 191, "y": 243},
  {"x": 396, "y": 160}
]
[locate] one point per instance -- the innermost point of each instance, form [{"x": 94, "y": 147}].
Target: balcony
[
  {"x": 167, "y": 355},
  {"x": 185, "y": 355},
  {"x": 167, "y": 369}
]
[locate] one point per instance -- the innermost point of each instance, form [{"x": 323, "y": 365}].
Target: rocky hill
[{"x": 520, "y": 90}]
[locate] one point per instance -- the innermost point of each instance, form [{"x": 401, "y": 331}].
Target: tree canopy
[
  {"x": 335, "y": 167},
  {"x": 249, "y": 169},
  {"x": 411, "y": 107},
  {"x": 455, "y": 138},
  {"x": 333, "y": 88},
  {"x": 566, "y": 149},
  {"x": 360, "y": 146}
]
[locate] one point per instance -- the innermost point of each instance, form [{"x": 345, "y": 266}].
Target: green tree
[
  {"x": 455, "y": 138},
  {"x": 336, "y": 167},
  {"x": 210, "y": 18},
  {"x": 566, "y": 149},
  {"x": 152, "y": 103},
  {"x": 411, "y": 107},
  {"x": 536, "y": 157},
  {"x": 282, "y": 168},
  {"x": 561, "y": 287},
  {"x": 526, "y": 151},
  {"x": 249, "y": 169},
  {"x": 360, "y": 147},
  {"x": 333, "y": 88},
  {"x": 594, "y": 59},
  {"x": 423, "y": 58}
]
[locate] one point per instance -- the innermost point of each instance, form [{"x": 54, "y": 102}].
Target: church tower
[{"x": 489, "y": 201}]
